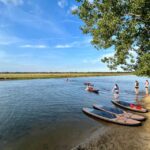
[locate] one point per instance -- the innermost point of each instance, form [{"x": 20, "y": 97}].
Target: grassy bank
[{"x": 15, "y": 76}]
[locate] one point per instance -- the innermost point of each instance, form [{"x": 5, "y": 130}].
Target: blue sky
[{"x": 43, "y": 35}]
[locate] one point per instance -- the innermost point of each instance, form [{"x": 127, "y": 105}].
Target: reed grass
[{"x": 15, "y": 76}]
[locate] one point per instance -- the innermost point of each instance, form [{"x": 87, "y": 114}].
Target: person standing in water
[
  {"x": 136, "y": 87},
  {"x": 115, "y": 91},
  {"x": 146, "y": 87}
]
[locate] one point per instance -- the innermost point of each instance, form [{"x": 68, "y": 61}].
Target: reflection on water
[{"x": 47, "y": 114}]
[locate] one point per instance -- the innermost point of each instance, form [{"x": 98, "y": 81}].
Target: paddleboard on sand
[
  {"x": 130, "y": 106},
  {"x": 103, "y": 115},
  {"x": 119, "y": 112}
]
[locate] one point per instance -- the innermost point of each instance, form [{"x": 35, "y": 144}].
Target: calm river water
[{"x": 46, "y": 114}]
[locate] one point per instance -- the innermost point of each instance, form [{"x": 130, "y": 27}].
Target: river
[{"x": 46, "y": 114}]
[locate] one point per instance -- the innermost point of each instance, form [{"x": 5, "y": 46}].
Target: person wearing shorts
[
  {"x": 146, "y": 87},
  {"x": 136, "y": 87},
  {"x": 115, "y": 91}
]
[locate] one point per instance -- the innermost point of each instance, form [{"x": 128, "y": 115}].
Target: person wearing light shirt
[{"x": 115, "y": 91}]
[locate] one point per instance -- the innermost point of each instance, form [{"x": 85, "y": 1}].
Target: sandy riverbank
[{"x": 121, "y": 137}]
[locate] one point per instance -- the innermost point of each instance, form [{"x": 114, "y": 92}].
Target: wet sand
[{"x": 121, "y": 137}]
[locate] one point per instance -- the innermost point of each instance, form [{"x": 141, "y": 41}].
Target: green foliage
[
  {"x": 143, "y": 67},
  {"x": 124, "y": 24}
]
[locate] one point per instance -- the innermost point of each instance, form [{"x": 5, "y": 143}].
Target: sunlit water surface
[{"x": 46, "y": 114}]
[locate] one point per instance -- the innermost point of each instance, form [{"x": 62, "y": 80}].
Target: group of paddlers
[
  {"x": 115, "y": 89},
  {"x": 137, "y": 87}
]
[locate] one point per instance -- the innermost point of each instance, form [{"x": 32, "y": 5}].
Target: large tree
[{"x": 123, "y": 24}]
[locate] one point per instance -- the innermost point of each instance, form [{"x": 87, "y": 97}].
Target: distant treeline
[
  {"x": 46, "y": 75},
  {"x": 64, "y": 72}
]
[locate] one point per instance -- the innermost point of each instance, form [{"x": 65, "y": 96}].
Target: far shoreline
[{"x": 48, "y": 75}]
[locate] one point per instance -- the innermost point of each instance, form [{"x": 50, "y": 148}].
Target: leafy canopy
[{"x": 124, "y": 24}]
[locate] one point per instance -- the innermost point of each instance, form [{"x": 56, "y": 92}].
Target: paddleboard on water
[
  {"x": 130, "y": 106},
  {"x": 88, "y": 83},
  {"x": 92, "y": 90},
  {"x": 106, "y": 116},
  {"x": 120, "y": 112}
]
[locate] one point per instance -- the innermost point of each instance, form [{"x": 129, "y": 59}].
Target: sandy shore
[{"x": 121, "y": 137}]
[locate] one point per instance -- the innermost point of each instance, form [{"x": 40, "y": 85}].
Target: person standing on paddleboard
[
  {"x": 146, "y": 87},
  {"x": 136, "y": 87},
  {"x": 115, "y": 91}
]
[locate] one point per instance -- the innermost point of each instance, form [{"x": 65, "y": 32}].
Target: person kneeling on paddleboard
[{"x": 89, "y": 88}]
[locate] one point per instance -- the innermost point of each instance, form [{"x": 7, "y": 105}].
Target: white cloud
[
  {"x": 8, "y": 39},
  {"x": 62, "y": 3},
  {"x": 63, "y": 46},
  {"x": 12, "y": 2},
  {"x": 73, "y": 44},
  {"x": 33, "y": 19},
  {"x": 71, "y": 21},
  {"x": 71, "y": 9},
  {"x": 91, "y": 61},
  {"x": 85, "y": 42},
  {"x": 107, "y": 55},
  {"x": 91, "y": 1},
  {"x": 74, "y": 7},
  {"x": 34, "y": 46}
]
